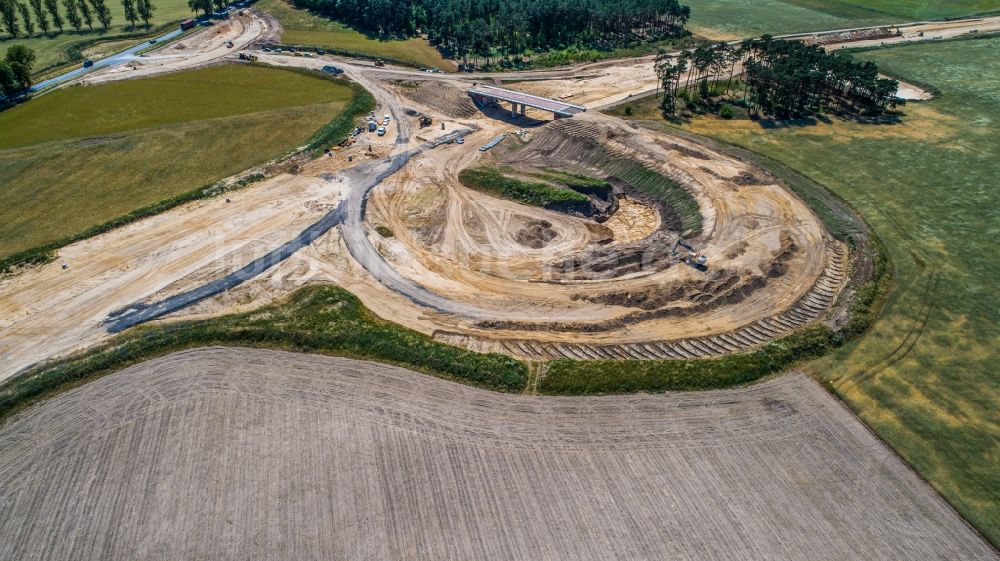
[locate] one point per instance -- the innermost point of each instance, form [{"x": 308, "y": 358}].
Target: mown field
[
  {"x": 52, "y": 49},
  {"x": 925, "y": 376},
  {"x": 81, "y": 156},
  {"x": 731, "y": 19},
  {"x": 304, "y": 28}
]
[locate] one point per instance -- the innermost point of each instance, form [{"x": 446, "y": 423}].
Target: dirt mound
[
  {"x": 743, "y": 179},
  {"x": 536, "y": 234},
  {"x": 611, "y": 261},
  {"x": 441, "y": 97},
  {"x": 722, "y": 287}
]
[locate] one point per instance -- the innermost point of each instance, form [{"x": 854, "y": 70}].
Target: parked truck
[{"x": 187, "y": 24}]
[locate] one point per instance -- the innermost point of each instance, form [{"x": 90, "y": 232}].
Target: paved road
[
  {"x": 364, "y": 177},
  {"x": 351, "y": 211},
  {"x": 115, "y": 59}
]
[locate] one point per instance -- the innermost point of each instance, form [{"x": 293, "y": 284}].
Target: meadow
[
  {"x": 81, "y": 156},
  {"x": 733, "y": 19},
  {"x": 58, "y": 49},
  {"x": 924, "y": 376},
  {"x": 304, "y": 28}
]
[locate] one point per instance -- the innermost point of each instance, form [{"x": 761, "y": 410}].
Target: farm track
[
  {"x": 357, "y": 460},
  {"x": 913, "y": 334}
]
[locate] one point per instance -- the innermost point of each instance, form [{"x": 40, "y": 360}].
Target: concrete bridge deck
[{"x": 490, "y": 94}]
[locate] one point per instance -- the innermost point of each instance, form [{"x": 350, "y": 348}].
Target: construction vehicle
[
  {"x": 692, "y": 258},
  {"x": 248, "y": 56},
  {"x": 425, "y": 121},
  {"x": 187, "y": 24},
  {"x": 379, "y": 63}
]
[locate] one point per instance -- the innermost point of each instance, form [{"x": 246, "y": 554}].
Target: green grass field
[
  {"x": 303, "y": 28},
  {"x": 731, "y": 19},
  {"x": 84, "y": 155},
  {"x": 52, "y": 49},
  {"x": 925, "y": 376}
]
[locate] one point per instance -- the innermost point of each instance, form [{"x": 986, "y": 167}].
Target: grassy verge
[
  {"x": 317, "y": 319},
  {"x": 47, "y": 208},
  {"x": 492, "y": 181}
]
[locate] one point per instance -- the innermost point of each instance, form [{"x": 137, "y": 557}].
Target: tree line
[
  {"x": 778, "y": 78},
  {"x": 466, "y": 28},
  {"x": 18, "y": 16},
  {"x": 206, "y": 6}
]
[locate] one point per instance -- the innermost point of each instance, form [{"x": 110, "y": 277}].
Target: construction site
[{"x": 501, "y": 213}]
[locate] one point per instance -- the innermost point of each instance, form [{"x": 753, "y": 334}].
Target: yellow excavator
[{"x": 693, "y": 258}]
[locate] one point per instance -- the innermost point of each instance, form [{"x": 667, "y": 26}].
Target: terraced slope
[{"x": 355, "y": 460}]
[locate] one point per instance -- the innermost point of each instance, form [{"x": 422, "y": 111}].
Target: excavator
[{"x": 693, "y": 258}]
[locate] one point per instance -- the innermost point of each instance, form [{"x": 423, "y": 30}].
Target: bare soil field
[{"x": 243, "y": 454}]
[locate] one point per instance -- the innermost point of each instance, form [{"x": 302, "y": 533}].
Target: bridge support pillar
[
  {"x": 513, "y": 110},
  {"x": 523, "y": 108}
]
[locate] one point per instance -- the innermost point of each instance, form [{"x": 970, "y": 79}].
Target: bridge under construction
[{"x": 519, "y": 101}]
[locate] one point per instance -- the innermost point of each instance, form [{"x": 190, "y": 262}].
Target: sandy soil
[
  {"x": 198, "y": 49},
  {"x": 446, "y": 239},
  {"x": 474, "y": 262},
  {"x": 248, "y": 454},
  {"x": 462, "y": 243},
  {"x": 48, "y": 311},
  {"x": 912, "y": 92},
  {"x": 633, "y": 221}
]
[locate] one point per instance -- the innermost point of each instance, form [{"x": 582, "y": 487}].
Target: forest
[
  {"x": 781, "y": 79},
  {"x": 463, "y": 28}
]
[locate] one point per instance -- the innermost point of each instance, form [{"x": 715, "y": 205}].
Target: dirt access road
[
  {"x": 204, "y": 47},
  {"x": 358, "y": 460},
  {"x": 48, "y": 312}
]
